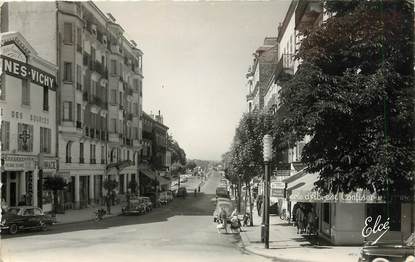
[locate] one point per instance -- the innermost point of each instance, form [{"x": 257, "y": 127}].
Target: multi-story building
[
  {"x": 154, "y": 154},
  {"x": 341, "y": 216},
  {"x": 260, "y": 73},
  {"x": 28, "y": 122},
  {"x": 99, "y": 96}
]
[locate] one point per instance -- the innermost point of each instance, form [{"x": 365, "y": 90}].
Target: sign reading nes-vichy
[{"x": 13, "y": 63}]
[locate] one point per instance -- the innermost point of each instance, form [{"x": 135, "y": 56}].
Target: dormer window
[{"x": 94, "y": 29}]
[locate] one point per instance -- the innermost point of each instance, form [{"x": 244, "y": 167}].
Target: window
[
  {"x": 45, "y": 98},
  {"x": 79, "y": 36},
  {"x": 78, "y": 112},
  {"x": 113, "y": 67},
  {"x": 92, "y": 153},
  {"x": 25, "y": 137},
  {"x": 45, "y": 140},
  {"x": 67, "y": 33},
  {"x": 391, "y": 211},
  {"x": 25, "y": 92},
  {"x": 3, "y": 86},
  {"x": 113, "y": 97},
  {"x": 102, "y": 154},
  {"x": 67, "y": 72},
  {"x": 135, "y": 108},
  {"x": 69, "y": 152},
  {"x": 121, "y": 99},
  {"x": 128, "y": 155},
  {"x": 67, "y": 111},
  {"x": 120, "y": 69},
  {"x": 81, "y": 153},
  {"x": 113, "y": 125},
  {"x": 78, "y": 77},
  {"x": 5, "y": 135},
  {"x": 93, "y": 55}
]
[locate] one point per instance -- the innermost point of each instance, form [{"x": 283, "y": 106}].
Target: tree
[
  {"x": 177, "y": 153},
  {"x": 191, "y": 165},
  {"x": 353, "y": 94},
  {"x": 54, "y": 184}
]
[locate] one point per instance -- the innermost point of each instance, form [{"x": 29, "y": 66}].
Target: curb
[
  {"x": 86, "y": 220},
  {"x": 246, "y": 246}
]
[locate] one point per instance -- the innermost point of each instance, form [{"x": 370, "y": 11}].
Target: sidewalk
[
  {"x": 286, "y": 245},
  {"x": 85, "y": 214}
]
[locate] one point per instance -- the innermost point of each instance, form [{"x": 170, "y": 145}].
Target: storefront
[
  {"x": 28, "y": 123},
  {"x": 342, "y": 217}
]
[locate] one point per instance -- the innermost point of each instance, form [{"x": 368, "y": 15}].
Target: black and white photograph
[{"x": 207, "y": 130}]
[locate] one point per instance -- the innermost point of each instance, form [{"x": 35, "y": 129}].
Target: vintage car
[
  {"x": 165, "y": 197},
  {"x": 389, "y": 252},
  {"x": 181, "y": 192},
  {"x": 24, "y": 218},
  {"x": 137, "y": 206},
  {"x": 226, "y": 205},
  {"x": 222, "y": 192}
]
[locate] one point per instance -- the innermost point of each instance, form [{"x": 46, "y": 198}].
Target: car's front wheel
[{"x": 13, "y": 229}]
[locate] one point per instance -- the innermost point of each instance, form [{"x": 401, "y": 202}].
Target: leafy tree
[
  {"x": 191, "y": 165},
  {"x": 54, "y": 184},
  {"x": 110, "y": 186},
  {"x": 177, "y": 153},
  {"x": 353, "y": 94}
]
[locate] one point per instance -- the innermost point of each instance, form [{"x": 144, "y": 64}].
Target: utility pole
[{"x": 267, "y": 158}]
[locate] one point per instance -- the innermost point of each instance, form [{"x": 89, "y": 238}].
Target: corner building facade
[{"x": 99, "y": 99}]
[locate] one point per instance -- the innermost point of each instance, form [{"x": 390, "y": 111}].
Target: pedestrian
[
  {"x": 224, "y": 218},
  {"x": 108, "y": 203},
  {"x": 299, "y": 217},
  {"x": 3, "y": 205},
  {"x": 258, "y": 205},
  {"x": 198, "y": 188},
  {"x": 195, "y": 192}
]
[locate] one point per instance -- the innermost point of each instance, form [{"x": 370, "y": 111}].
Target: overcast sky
[{"x": 199, "y": 52}]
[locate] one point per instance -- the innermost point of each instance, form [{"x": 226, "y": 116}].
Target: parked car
[
  {"x": 166, "y": 197},
  {"x": 152, "y": 199},
  {"x": 23, "y": 218},
  {"x": 389, "y": 252},
  {"x": 137, "y": 206},
  {"x": 181, "y": 192},
  {"x": 222, "y": 192},
  {"x": 227, "y": 205}
]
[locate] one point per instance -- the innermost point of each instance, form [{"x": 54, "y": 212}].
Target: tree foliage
[
  {"x": 353, "y": 94},
  {"x": 246, "y": 155},
  {"x": 177, "y": 153}
]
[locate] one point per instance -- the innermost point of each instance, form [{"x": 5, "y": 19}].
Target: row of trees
[{"x": 353, "y": 95}]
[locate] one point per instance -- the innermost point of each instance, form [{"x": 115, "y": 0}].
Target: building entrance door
[{"x": 13, "y": 192}]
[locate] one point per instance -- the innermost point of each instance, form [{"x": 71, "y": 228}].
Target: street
[{"x": 183, "y": 230}]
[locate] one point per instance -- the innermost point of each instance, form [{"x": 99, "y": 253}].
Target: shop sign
[
  {"x": 354, "y": 197},
  {"x": 277, "y": 192},
  {"x": 282, "y": 172},
  {"x": 25, "y": 163},
  {"x": 13, "y": 64}
]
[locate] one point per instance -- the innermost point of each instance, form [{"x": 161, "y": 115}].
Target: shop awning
[
  {"x": 302, "y": 189},
  {"x": 153, "y": 176},
  {"x": 149, "y": 173}
]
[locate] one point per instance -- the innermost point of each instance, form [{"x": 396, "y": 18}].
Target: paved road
[{"x": 182, "y": 231}]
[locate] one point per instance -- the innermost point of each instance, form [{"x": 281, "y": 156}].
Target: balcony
[
  {"x": 114, "y": 138},
  {"x": 284, "y": 66},
  {"x": 81, "y": 160},
  {"x": 78, "y": 124},
  {"x": 306, "y": 13}
]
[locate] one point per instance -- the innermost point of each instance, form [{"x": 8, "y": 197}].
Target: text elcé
[{"x": 378, "y": 227}]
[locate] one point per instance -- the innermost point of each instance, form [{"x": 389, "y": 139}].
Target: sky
[{"x": 196, "y": 55}]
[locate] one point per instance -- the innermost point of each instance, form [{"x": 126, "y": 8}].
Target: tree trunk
[
  {"x": 246, "y": 197},
  {"x": 251, "y": 223},
  {"x": 55, "y": 201}
]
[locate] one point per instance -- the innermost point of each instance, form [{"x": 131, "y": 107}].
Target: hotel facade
[{"x": 99, "y": 96}]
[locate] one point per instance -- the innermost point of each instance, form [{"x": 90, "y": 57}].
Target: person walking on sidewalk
[
  {"x": 258, "y": 205},
  {"x": 224, "y": 217}
]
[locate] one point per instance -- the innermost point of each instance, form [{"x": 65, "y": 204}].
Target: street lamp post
[
  {"x": 267, "y": 159},
  {"x": 239, "y": 193}
]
